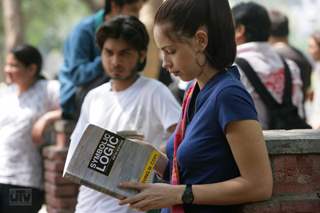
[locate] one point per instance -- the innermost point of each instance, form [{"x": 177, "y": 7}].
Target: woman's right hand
[{"x": 152, "y": 195}]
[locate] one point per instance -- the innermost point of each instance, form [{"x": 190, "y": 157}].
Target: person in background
[
  {"x": 314, "y": 51},
  {"x": 253, "y": 26},
  {"x": 82, "y": 69},
  {"x": 279, "y": 38},
  {"x": 129, "y": 102},
  {"x": 28, "y": 105},
  {"x": 217, "y": 155}
]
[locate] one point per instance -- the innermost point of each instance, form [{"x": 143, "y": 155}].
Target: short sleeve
[
  {"x": 167, "y": 107},
  {"x": 234, "y": 104}
]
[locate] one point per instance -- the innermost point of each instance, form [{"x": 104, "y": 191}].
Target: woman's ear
[
  {"x": 32, "y": 68},
  {"x": 201, "y": 38}
]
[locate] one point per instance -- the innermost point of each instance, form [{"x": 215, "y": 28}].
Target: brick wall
[
  {"x": 60, "y": 194},
  {"x": 295, "y": 161}
]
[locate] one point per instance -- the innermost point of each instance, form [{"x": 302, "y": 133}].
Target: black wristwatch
[{"x": 187, "y": 196}]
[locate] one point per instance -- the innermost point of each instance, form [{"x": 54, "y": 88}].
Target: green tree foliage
[{"x": 47, "y": 23}]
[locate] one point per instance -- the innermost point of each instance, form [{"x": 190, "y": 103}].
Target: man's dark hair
[
  {"x": 254, "y": 18},
  {"x": 185, "y": 17},
  {"x": 128, "y": 28},
  {"x": 28, "y": 55},
  {"x": 107, "y": 5},
  {"x": 279, "y": 24}
]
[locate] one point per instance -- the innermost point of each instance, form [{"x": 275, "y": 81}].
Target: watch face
[{"x": 187, "y": 197}]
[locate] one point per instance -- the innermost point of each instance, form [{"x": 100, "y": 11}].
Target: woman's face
[
  {"x": 177, "y": 57},
  {"x": 314, "y": 49},
  {"x": 18, "y": 73}
]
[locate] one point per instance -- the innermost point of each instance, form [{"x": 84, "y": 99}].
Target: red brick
[
  {"x": 301, "y": 206},
  {"x": 70, "y": 191},
  {"x": 295, "y": 173},
  {"x": 279, "y": 177},
  {"x": 60, "y": 203},
  {"x": 55, "y": 210},
  {"x": 292, "y": 188},
  {"x": 54, "y": 166},
  {"x": 55, "y": 153},
  {"x": 55, "y": 178},
  {"x": 290, "y": 162},
  {"x": 262, "y": 207},
  {"x": 61, "y": 139},
  {"x": 316, "y": 164},
  {"x": 284, "y": 204}
]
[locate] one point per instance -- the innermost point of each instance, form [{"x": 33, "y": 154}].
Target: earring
[{"x": 201, "y": 59}]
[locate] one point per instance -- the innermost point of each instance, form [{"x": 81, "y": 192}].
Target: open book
[{"x": 104, "y": 159}]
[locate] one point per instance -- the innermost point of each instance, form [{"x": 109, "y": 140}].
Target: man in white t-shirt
[{"x": 128, "y": 102}]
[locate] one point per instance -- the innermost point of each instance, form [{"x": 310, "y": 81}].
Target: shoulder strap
[
  {"x": 264, "y": 94},
  {"x": 287, "y": 93}
]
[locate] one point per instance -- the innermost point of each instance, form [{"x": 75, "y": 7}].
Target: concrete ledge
[{"x": 292, "y": 141}]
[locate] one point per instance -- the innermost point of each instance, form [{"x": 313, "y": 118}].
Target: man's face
[
  {"x": 132, "y": 9},
  {"x": 119, "y": 59}
]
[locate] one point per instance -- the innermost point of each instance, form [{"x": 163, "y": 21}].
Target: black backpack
[{"x": 281, "y": 116}]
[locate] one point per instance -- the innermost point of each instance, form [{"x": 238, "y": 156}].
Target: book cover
[{"x": 103, "y": 159}]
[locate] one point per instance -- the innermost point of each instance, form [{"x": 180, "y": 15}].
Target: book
[{"x": 103, "y": 159}]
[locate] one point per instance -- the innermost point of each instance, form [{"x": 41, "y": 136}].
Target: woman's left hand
[{"x": 152, "y": 196}]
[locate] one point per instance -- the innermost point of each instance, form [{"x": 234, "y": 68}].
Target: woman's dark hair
[
  {"x": 28, "y": 55},
  {"x": 255, "y": 19},
  {"x": 184, "y": 17},
  {"x": 128, "y": 28}
]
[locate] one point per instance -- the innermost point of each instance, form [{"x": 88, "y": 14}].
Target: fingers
[
  {"x": 144, "y": 205},
  {"x": 150, "y": 196},
  {"x": 131, "y": 200},
  {"x": 132, "y": 185},
  {"x": 138, "y": 202}
]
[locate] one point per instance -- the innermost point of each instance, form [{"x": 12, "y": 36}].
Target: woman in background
[{"x": 28, "y": 105}]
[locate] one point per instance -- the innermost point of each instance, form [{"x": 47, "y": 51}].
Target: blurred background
[{"x": 46, "y": 24}]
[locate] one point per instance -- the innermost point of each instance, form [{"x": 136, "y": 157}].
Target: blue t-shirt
[
  {"x": 82, "y": 61},
  {"x": 204, "y": 156}
]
